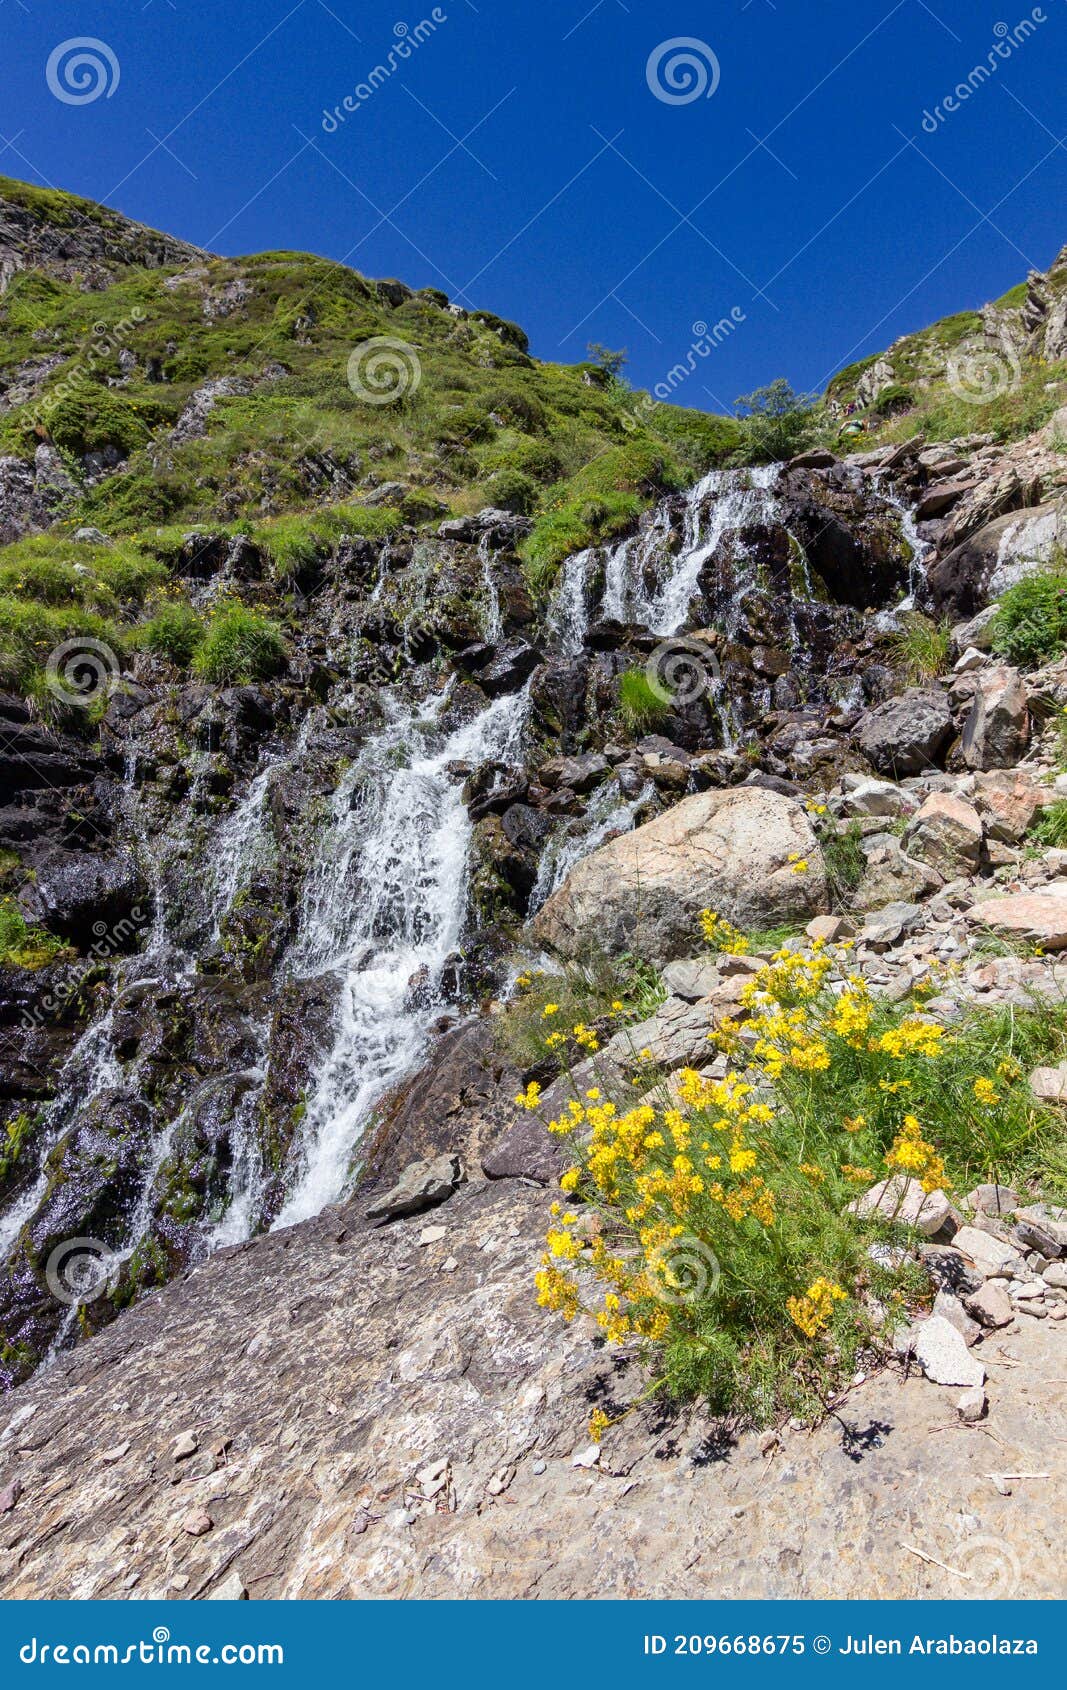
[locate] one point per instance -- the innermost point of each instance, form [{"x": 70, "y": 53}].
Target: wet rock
[
  {"x": 907, "y": 735},
  {"x": 87, "y": 896},
  {"x": 422, "y": 1185}
]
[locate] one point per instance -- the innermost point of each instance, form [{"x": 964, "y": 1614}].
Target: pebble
[
  {"x": 540, "y": 1467},
  {"x": 197, "y": 1523},
  {"x": 943, "y": 1355},
  {"x": 186, "y": 1445},
  {"x": 116, "y": 1452},
  {"x": 230, "y": 1590},
  {"x": 972, "y": 1405},
  {"x": 433, "y": 1234},
  {"x": 449, "y": 1265},
  {"x": 587, "y": 1457}
]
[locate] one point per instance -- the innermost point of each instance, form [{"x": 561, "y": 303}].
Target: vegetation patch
[
  {"x": 1030, "y": 627},
  {"x": 239, "y": 646}
]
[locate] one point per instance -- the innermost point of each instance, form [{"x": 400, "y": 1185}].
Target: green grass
[
  {"x": 295, "y": 542},
  {"x": 175, "y": 632},
  {"x": 585, "y": 993},
  {"x": 23, "y": 946},
  {"x": 921, "y": 649},
  {"x": 1030, "y": 627},
  {"x": 641, "y": 706},
  {"x": 239, "y": 646},
  {"x": 1050, "y": 828}
]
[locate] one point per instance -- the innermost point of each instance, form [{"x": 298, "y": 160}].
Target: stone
[
  {"x": 1050, "y": 1084},
  {"x": 906, "y": 735},
  {"x": 588, "y": 1457},
  {"x": 422, "y": 1185},
  {"x": 1051, "y": 1217},
  {"x": 972, "y": 1405},
  {"x": 1037, "y": 916},
  {"x": 831, "y": 929},
  {"x": 691, "y": 978},
  {"x": 186, "y": 1445},
  {"x": 950, "y": 1269},
  {"x": 9, "y": 1496},
  {"x": 991, "y": 1256},
  {"x": 991, "y": 1306},
  {"x": 231, "y": 1589},
  {"x": 433, "y": 1234},
  {"x": 947, "y": 833},
  {"x": 997, "y": 730},
  {"x": 943, "y": 1355},
  {"x": 1008, "y": 804},
  {"x": 889, "y": 924},
  {"x": 891, "y": 876},
  {"x": 738, "y": 851},
  {"x": 1035, "y": 1232},
  {"x": 1056, "y": 1275},
  {"x": 992, "y": 1200},
  {"x": 905, "y": 1201},
  {"x": 951, "y": 1309},
  {"x": 197, "y": 1523}
]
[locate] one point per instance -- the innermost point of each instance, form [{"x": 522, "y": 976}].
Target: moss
[{"x": 23, "y": 946}]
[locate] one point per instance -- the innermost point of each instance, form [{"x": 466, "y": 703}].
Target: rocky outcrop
[
  {"x": 81, "y": 242},
  {"x": 908, "y": 734},
  {"x": 750, "y": 854},
  {"x": 437, "y": 1445}
]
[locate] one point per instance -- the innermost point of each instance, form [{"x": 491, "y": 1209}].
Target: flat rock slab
[
  {"x": 369, "y": 1366},
  {"x": 1040, "y": 916},
  {"x": 942, "y": 1353}
]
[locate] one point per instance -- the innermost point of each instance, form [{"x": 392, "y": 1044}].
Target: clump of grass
[
  {"x": 1050, "y": 827},
  {"x": 294, "y": 542},
  {"x": 712, "y": 1221},
  {"x": 23, "y": 946},
  {"x": 845, "y": 862},
  {"x": 641, "y": 705},
  {"x": 1030, "y": 627},
  {"x": 239, "y": 646},
  {"x": 175, "y": 632},
  {"x": 921, "y": 649}
]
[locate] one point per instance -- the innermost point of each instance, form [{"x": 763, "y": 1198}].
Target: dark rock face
[{"x": 908, "y": 734}]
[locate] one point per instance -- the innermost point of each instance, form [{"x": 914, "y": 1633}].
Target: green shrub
[
  {"x": 30, "y": 632},
  {"x": 510, "y": 490},
  {"x": 776, "y": 423},
  {"x": 239, "y": 646},
  {"x": 1030, "y": 627},
  {"x": 175, "y": 632},
  {"x": 642, "y": 706},
  {"x": 845, "y": 862},
  {"x": 294, "y": 542},
  {"x": 92, "y": 418}
]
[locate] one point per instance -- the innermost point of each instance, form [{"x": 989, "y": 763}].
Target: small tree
[
  {"x": 612, "y": 363},
  {"x": 777, "y": 422}
]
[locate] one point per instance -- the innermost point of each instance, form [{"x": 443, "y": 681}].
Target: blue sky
[{"x": 522, "y": 156}]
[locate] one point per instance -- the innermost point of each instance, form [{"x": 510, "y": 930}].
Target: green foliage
[
  {"x": 845, "y": 862},
  {"x": 1050, "y": 828},
  {"x": 294, "y": 542},
  {"x": 600, "y": 990},
  {"x": 612, "y": 363},
  {"x": 175, "y": 632},
  {"x": 642, "y": 706},
  {"x": 56, "y": 571},
  {"x": 776, "y": 423},
  {"x": 23, "y": 946},
  {"x": 511, "y": 490},
  {"x": 921, "y": 648},
  {"x": 16, "y": 1135},
  {"x": 30, "y": 632},
  {"x": 1030, "y": 627},
  {"x": 239, "y": 646}
]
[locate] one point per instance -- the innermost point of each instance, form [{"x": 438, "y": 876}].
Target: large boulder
[
  {"x": 997, "y": 730},
  {"x": 748, "y": 853},
  {"x": 947, "y": 832},
  {"x": 906, "y": 735},
  {"x": 993, "y": 558}
]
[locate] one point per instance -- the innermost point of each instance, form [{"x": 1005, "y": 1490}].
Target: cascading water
[
  {"x": 607, "y": 814},
  {"x": 385, "y": 910}
]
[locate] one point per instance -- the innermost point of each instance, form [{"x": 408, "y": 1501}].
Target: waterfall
[
  {"x": 385, "y": 910},
  {"x": 606, "y": 815},
  {"x": 920, "y": 551}
]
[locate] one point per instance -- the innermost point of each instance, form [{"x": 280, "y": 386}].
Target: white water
[
  {"x": 386, "y": 902},
  {"x": 606, "y": 815}
]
